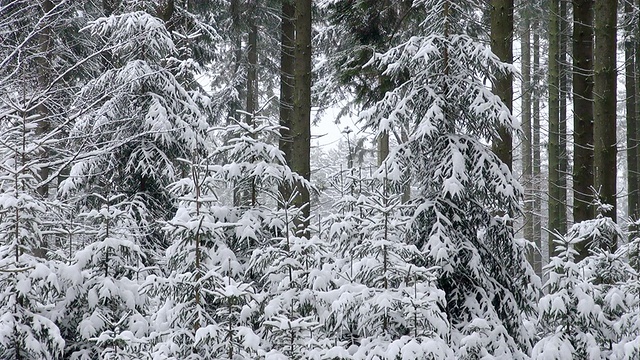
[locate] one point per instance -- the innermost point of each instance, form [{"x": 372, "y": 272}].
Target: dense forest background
[{"x": 161, "y": 195}]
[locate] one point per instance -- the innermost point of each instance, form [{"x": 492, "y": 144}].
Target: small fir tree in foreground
[
  {"x": 28, "y": 280},
  {"x": 104, "y": 314},
  {"x": 385, "y": 303}
]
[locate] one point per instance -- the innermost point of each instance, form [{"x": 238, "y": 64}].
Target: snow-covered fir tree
[
  {"x": 28, "y": 279},
  {"x": 103, "y": 312},
  {"x": 385, "y": 303},
  {"x": 137, "y": 117},
  {"x": 283, "y": 265},
  {"x": 132, "y": 121},
  {"x": 293, "y": 272},
  {"x": 38, "y": 78},
  {"x": 466, "y": 195},
  {"x": 201, "y": 298},
  {"x": 590, "y": 307},
  {"x": 571, "y": 321},
  {"x": 626, "y": 301},
  {"x": 212, "y": 308}
]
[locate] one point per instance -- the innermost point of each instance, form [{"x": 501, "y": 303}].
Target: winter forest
[{"x": 162, "y": 195}]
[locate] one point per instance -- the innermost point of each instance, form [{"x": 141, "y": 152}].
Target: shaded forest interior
[{"x": 163, "y": 193}]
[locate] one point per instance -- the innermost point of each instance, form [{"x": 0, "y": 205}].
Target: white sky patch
[{"x": 326, "y": 132}]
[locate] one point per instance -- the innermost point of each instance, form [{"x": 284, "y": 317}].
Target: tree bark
[
  {"x": 502, "y": 46},
  {"x": 554, "y": 121},
  {"x": 636, "y": 44},
  {"x": 165, "y": 12},
  {"x": 236, "y": 22},
  {"x": 383, "y": 147},
  {"x": 287, "y": 34},
  {"x": 634, "y": 254},
  {"x": 605, "y": 97},
  {"x": 562, "y": 118},
  {"x": 535, "y": 128},
  {"x": 44, "y": 60},
  {"x": 527, "y": 159},
  {"x": 45, "y": 42},
  {"x": 637, "y": 92},
  {"x": 301, "y": 116},
  {"x": 252, "y": 73},
  {"x": 406, "y": 188},
  {"x": 109, "y": 6},
  {"x": 632, "y": 128},
  {"x": 252, "y": 97},
  {"x": 236, "y": 104},
  {"x": 582, "y": 112}
]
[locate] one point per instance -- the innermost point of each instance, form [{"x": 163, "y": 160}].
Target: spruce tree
[
  {"x": 464, "y": 187},
  {"x": 28, "y": 279},
  {"x": 103, "y": 312},
  {"x": 141, "y": 117}
]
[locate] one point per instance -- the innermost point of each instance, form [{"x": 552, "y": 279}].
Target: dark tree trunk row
[{"x": 502, "y": 46}]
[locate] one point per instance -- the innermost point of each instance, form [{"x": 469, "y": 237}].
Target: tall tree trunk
[
  {"x": 252, "y": 98},
  {"x": 605, "y": 97},
  {"x": 630, "y": 102},
  {"x": 636, "y": 44},
  {"x": 582, "y": 113},
  {"x": 236, "y": 104},
  {"x": 287, "y": 34},
  {"x": 502, "y": 46},
  {"x": 406, "y": 188},
  {"x": 383, "y": 147},
  {"x": 634, "y": 256},
  {"x": 301, "y": 117},
  {"x": 535, "y": 146},
  {"x": 45, "y": 42},
  {"x": 44, "y": 60},
  {"x": 562, "y": 118},
  {"x": 527, "y": 168},
  {"x": 252, "y": 73},
  {"x": 236, "y": 25},
  {"x": 555, "y": 207}
]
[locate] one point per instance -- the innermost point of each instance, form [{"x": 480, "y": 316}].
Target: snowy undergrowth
[
  {"x": 179, "y": 245},
  {"x": 590, "y": 309}
]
